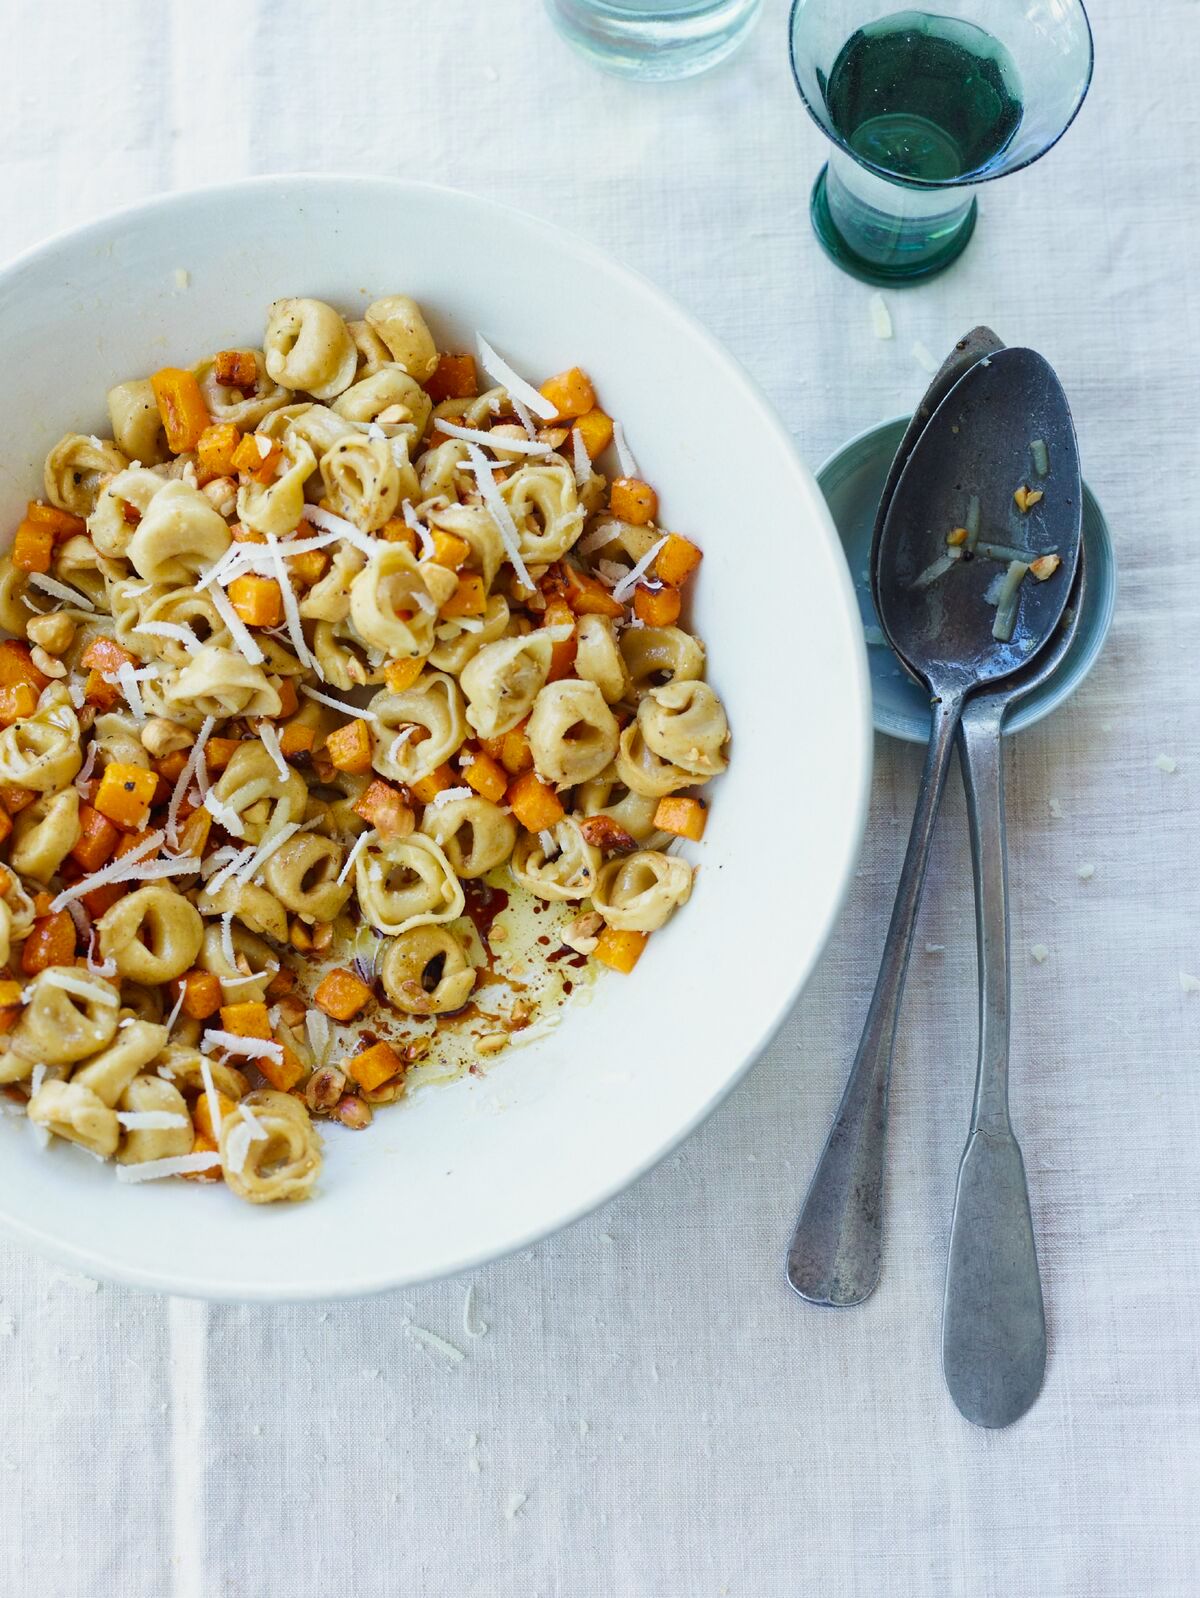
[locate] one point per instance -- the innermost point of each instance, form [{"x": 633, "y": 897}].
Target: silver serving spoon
[{"x": 977, "y": 442}]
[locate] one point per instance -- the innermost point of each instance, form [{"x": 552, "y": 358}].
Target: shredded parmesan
[
  {"x": 359, "y": 845},
  {"x": 629, "y": 467},
  {"x": 175, "y": 1009},
  {"x": 61, "y": 590},
  {"x": 258, "y": 1131},
  {"x": 628, "y": 583},
  {"x": 330, "y": 523},
  {"x": 291, "y": 608},
  {"x": 524, "y": 417},
  {"x": 448, "y": 795},
  {"x": 411, "y": 519},
  {"x": 472, "y": 1325},
  {"x": 546, "y": 839},
  {"x": 227, "y": 938},
  {"x": 338, "y": 704},
  {"x": 596, "y": 539},
  {"x": 400, "y": 739},
  {"x": 244, "y": 642},
  {"x": 179, "y": 1165},
  {"x": 881, "y": 320},
  {"x": 580, "y": 458},
  {"x": 234, "y": 1043},
  {"x": 495, "y": 366},
  {"x": 170, "y": 629},
  {"x": 431, "y": 1340},
  {"x": 924, "y": 359},
  {"x": 1189, "y": 983},
  {"x": 122, "y": 870},
  {"x": 515, "y": 446},
  {"x": 128, "y": 680},
  {"x": 193, "y": 768},
  {"x": 500, "y": 513},
  {"x": 225, "y": 814},
  {"x": 85, "y": 771},
  {"x": 237, "y": 1147},
  {"x": 270, "y": 741},
  {"x": 259, "y": 857},
  {"x": 240, "y": 857},
  {"x": 150, "y": 1120}
]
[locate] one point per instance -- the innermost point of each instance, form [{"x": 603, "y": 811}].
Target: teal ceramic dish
[{"x": 852, "y": 480}]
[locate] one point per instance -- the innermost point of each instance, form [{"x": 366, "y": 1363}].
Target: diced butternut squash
[
  {"x": 105, "y": 654},
  {"x": 17, "y": 666},
  {"x": 289, "y": 699},
  {"x": 247, "y": 1019},
  {"x": 9, "y": 1016},
  {"x": 684, "y": 817},
  {"x": 436, "y": 782},
  {"x": 372, "y": 1067},
  {"x": 632, "y": 500},
  {"x": 241, "y": 534},
  {"x": 181, "y": 406},
  {"x": 676, "y": 560},
  {"x": 283, "y": 1074},
  {"x": 41, "y": 903},
  {"x": 350, "y": 747},
  {"x": 535, "y": 804},
  {"x": 203, "y": 1144},
  {"x": 397, "y": 531},
  {"x": 98, "y": 901},
  {"x": 218, "y": 752},
  {"x": 383, "y": 808},
  {"x": 448, "y": 549},
  {"x": 97, "y": 840},
  {"x": 587, "y": 597},
  {"x": 6, "y": 826},
  {"x": 282, "y": 982},
  {"x": 201, "y": 994},
  {"x": 487, "y": 776},
  {"x": 202, "y": 1113},
  {"x": 657, "y": 607},
  {"x": 236, "y": 369},
  {"x": 51, "y": 941},
  {"x": 512, "y": 749},
  {"x": 468, "y": 599},
  {"x": 257, "y": 600},
  {"x": 60, "y": 522},
  {"x": 571, "y": 393},
  {"x": 193, "y": 835},
  {"x": 309, "y": 566},
  {"x": 32, "y": 548},
  {"x": 454, "y": 377},
  {"x": 596, "y": 430},
  {"x": 562, "y": 656},
  {"x": 103, "y": 695},
  {"x": 620, "y": 951},
  {"x": 130, "y": 841},
  {"x": 296, "y": 739},
  {"x": 401, "y": 674},
  {"x": 341, "y": 994},
  {"x": 171, "y": 767},
  {"x": 125, "y": 795},
  {"x": 258, "y": 457},
  {"x": 215, "y": 449},
  {"x": 16, "y": 701},
  {"x": 10, "y": 992}
]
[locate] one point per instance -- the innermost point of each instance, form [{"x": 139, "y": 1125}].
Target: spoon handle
[
  {"x": 993, "y": 1324},
  {"x": 835, "y": 1251}
]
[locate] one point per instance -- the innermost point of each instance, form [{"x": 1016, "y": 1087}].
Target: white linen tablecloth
[{"x": 651, "y": 1413}]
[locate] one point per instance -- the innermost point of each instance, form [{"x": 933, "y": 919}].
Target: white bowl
[{"x": 466, "y": 1172}]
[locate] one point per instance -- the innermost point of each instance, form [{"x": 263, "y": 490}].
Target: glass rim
[{"x": 969, "y": 179}]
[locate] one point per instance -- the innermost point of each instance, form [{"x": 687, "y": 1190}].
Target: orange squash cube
[
  {"x": 181, "y": 406},
  {"x": 535, "y": 804},
  {"x": 657, "y": 607},
  {"x": 215, "y": 450},
  {"x": 487, "y": 776},
  {"x": 397, "y": 531},
  {"x": 236, "y": 369},
  {"x": 468, "y": 599},
  {"x": 201, "y": 994},
  {"x": 283, "y": 1074},
  {"x": 97, "y": 839},
  {"x": 258, "y": 456},
  {"x": 383, "y": 808},
  {"x": 248, "y": 1019},
  {"x": 401, "y": 674},
  {"x": 619, "y": 951},
  {"x": 588, "y": 597},
  {"x": 16, "y": 666},
  {"x": 125, "y": 795},
  {"x": 202, "y": 1114},
  {"x": 633, "y": 501},
  {"x": 16, "y": 701},
  {"x": 32, "y": 547},
  {"x": 105, "y": 654},
  {"x": 309, "y": 566},
  {"x": 100, "y": 900},
  {"x": 596, "y": 429},
  {"x": 562, "y": 656},
  {"x": 218, "y": 752},
  {"x": 454, "y": 377},
  {"x": 512, "y": 749},
  {"x": 686, "y": 818},
  {"x": 677, "y": 560},
  {"x": 257, "y": 600},
  {"x": 372, "y": 1067},
  {"x": 341, "y": 994},
  {"x": 10, "y": 992},
  {"x": 61, "y": 522},
  {"x": 448, "y": 549},
  {"x": 203, "y": 1144},
  {"x": 296, "y": 739},
  {"x": 427, "y": 788},
  {"x": 571, "y": 393},
  {"x": 6, "y": 826},
  {"x": 50, "y": 942},
  {"x": 193, "y": 835},
  {"x": 350, "y": 747}
]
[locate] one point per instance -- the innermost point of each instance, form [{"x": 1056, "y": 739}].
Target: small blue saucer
[{"x": 852, "y": 480}]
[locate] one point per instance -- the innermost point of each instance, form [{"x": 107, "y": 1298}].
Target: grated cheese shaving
[
  {"x": 338, "y": 704},
  {"x": 240, "y": 857},
  {"x": 170, "y": 629},
  {"x": 881, "y": 320},
  {"x": 258, "y": 1131},
  {"x": 227, "y": 938},
  {"x": 580, "y": 458},
  {"x": 238, "y": 631},
  {"x": 515, "y": 446},
  {"x": 237, "y": 1147},
  {"x": 270, "y": 742},
  {"x": 448, "y": 795},
  {"x": 85, "y": 771},
  {"x": 495, "y": 366},
  {"x": 546, "y": 839},
  {"x": 61, "y": 590},
  {"x": 627, "y": 584},
  {"x": 596, "y": 539},
  {"x": 175, "y": 1009},
  {"x": 524, "y": 417},
  {"x": 330, "y": 523},
  {"x": 123, "y": 870},
  {"x": 291, "y": 608},
  {"x": 472, "y": 1325},
  {"x": 193, "y": 768},
  {"x": 431, "y": 1340},
  {"x": 500, "y": 513},
  {"x": 360, "y": 844},
  {"x": 1189, "y": 983},
  {"x": 179, "y": 1165},
  {"x": 629, "y": 467},
  {"x": 265, "y": 850},
  {"x": 225, "y": 814},
  {"x": 924, "y": 359},
  {"x": 128, "y": 679},
  {"x": 150, "y": 1120},
  {"x": 234, "y": 1043}
]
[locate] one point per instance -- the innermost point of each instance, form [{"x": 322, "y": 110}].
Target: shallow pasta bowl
[{"x": 463, "y": 1172}]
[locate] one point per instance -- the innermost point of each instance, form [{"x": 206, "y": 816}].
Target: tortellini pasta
[{"x": 325, "y": 720}]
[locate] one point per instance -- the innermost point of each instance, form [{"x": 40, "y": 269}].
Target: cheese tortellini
[{"x": 311, "y": 711}]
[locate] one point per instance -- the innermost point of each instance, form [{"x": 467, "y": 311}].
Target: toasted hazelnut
[
  {"x": 54, "y": 634},
  {"x": 47, "y": 664},
  {"x": 162, "y": 737},
  {"x": 352, "y": 1112},
  {"x": 956, "y": 537},
  {"x": 324, "y": 1088},
  {"x": 322, "y": 935},
  {"x": 583, "y": 933},
  {"x": 492, "y": 1043},
  {"x": 221, "y": 494}
]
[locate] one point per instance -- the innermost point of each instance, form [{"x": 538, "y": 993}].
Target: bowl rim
[{"x": 388, "y": 1278}]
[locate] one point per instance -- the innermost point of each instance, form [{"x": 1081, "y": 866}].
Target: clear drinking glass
[
  {"x": 654, "y": 39},
  {"x": 921, "y": 107}
]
